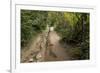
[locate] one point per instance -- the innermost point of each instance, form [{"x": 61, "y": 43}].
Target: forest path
[{"x": 54, "y": 52}]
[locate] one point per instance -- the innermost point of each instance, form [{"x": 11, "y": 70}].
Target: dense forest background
[{"x": 72, "y": 27}]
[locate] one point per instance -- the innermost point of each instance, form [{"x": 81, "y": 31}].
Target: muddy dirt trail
[
  {"x": 36, "y": 51},
  {"x": 56, "y": 51}
]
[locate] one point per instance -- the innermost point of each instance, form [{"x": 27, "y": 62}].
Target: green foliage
[
  {"x": 74, "y": 29},
  {"x": 32, "y": 23}
]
